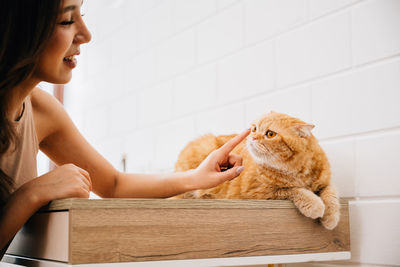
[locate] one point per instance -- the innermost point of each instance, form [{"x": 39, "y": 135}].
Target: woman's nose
[{"x": 83, "y": 36}]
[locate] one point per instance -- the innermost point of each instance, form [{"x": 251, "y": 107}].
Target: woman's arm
[
  {"x": 83, "y": 169},
  {"x": 64, "y": 144},
  {"x": 21, "y": 205},
  {"x": 207, "y": 175}
]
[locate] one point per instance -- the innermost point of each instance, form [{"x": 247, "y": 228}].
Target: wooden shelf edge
[{"x": 142, "y": 203}]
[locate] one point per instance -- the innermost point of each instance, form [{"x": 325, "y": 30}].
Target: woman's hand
[
  {"x": 211, "y": 172},
  {"x": 66, "y": 181}
]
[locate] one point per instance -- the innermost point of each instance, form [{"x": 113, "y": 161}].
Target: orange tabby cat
[{"x": 282, "y": 160}]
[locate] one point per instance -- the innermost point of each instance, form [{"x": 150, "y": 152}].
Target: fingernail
[{"x": 239, "y": 170}]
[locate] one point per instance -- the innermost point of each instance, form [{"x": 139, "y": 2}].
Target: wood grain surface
[
  {"x": 143, "y": 203},
  {"x": 104, "y": 231}
]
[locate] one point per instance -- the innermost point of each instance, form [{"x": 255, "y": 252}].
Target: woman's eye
[
  {"x": 68, "y": 22},
  {"x": 270, "y": 134}
]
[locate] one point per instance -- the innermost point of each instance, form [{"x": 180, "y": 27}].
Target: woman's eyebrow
[{"x": 68, "y": 8}]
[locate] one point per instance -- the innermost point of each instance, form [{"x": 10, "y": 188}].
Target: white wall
[{"x": 159, "y": 73}]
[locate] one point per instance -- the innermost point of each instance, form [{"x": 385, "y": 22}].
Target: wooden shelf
[{"x": 85, "y": 231}]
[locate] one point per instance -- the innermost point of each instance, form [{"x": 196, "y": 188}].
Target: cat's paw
[
  {"x": 206, "y": 196},
  {"x": 330, "y": 221},
  {"x": 332, "y": 214},
  {"x": 311, "y": 206}
]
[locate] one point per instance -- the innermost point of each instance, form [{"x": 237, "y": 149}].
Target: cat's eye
[
  {"x": 270, "y": 134},
  {"x": 254, "y": 129}
]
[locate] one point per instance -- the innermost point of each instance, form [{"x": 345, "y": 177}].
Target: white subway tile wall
[
  {"x": 220, "y": 34},
  {"x": 322, "y": 47},
  {"x": 162, "y": 72},
  {"x": 356, "y": 102},
  {"x": 266, "y": 19},
  {"x": 341, "y": 155},
  {"x": 377, "y": 158},
  {"x": 195, "y": 90},
  {"x": 176, "y": 55},
  {"x": 246, "y": 73},
  {"x": 375, "y": 30}
]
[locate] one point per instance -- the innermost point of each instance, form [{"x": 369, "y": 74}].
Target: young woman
[{"x": 39, "y": 41}]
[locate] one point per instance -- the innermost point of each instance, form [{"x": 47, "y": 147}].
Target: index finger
[{"x": 231, "y": 144}]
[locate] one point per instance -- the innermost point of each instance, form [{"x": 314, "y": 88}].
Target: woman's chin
[
  {"x": 59, "y": 80},
  {"x": 59, "y": 75}
]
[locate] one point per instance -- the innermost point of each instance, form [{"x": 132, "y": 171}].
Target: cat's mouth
[
  {"x": 260, "y": 153},
  {"x": 255, "y": 150}
]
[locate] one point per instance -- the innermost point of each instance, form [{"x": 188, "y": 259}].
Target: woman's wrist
[
  {"x": 34, "y": 195},
  {"x": 189, "y": 180},
  {"x": 180, "y": 182},
  {"x": 20, "y": 206}
]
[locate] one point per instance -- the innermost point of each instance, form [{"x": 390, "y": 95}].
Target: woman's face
[{"x": 58, "y": 60}]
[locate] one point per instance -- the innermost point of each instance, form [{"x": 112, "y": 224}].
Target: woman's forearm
[
  {"x": 21, "y": 205},
  {"x": 207, "y": 175},
  {"x": 131, "y": 185}
]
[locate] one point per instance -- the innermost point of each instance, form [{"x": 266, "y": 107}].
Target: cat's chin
[
  {"x": 268, "y": 164},
  {"x": 262, "y": 159}
]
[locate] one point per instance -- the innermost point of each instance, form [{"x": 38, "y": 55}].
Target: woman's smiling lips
[{"x": 71, "y": 61}]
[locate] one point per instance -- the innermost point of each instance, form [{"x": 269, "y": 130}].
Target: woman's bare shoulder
[
  {"x": 41, "y": 100},
  {"x": 48, "y": 113}
]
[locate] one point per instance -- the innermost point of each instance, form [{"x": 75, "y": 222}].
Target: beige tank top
[{"x": 20, "y": 164}]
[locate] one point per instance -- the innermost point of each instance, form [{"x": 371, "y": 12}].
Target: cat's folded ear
[{"x": 303, "y": 130}]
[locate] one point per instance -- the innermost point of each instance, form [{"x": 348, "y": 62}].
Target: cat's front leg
[
  {"x": 332, "y": 211},
  {"x": 309, "y": 204}
]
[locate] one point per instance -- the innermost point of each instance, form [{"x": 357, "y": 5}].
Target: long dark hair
[{"x": 25, "y": 29}]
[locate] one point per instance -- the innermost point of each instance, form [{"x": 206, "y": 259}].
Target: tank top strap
[{"x": 20, "y": 163}]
